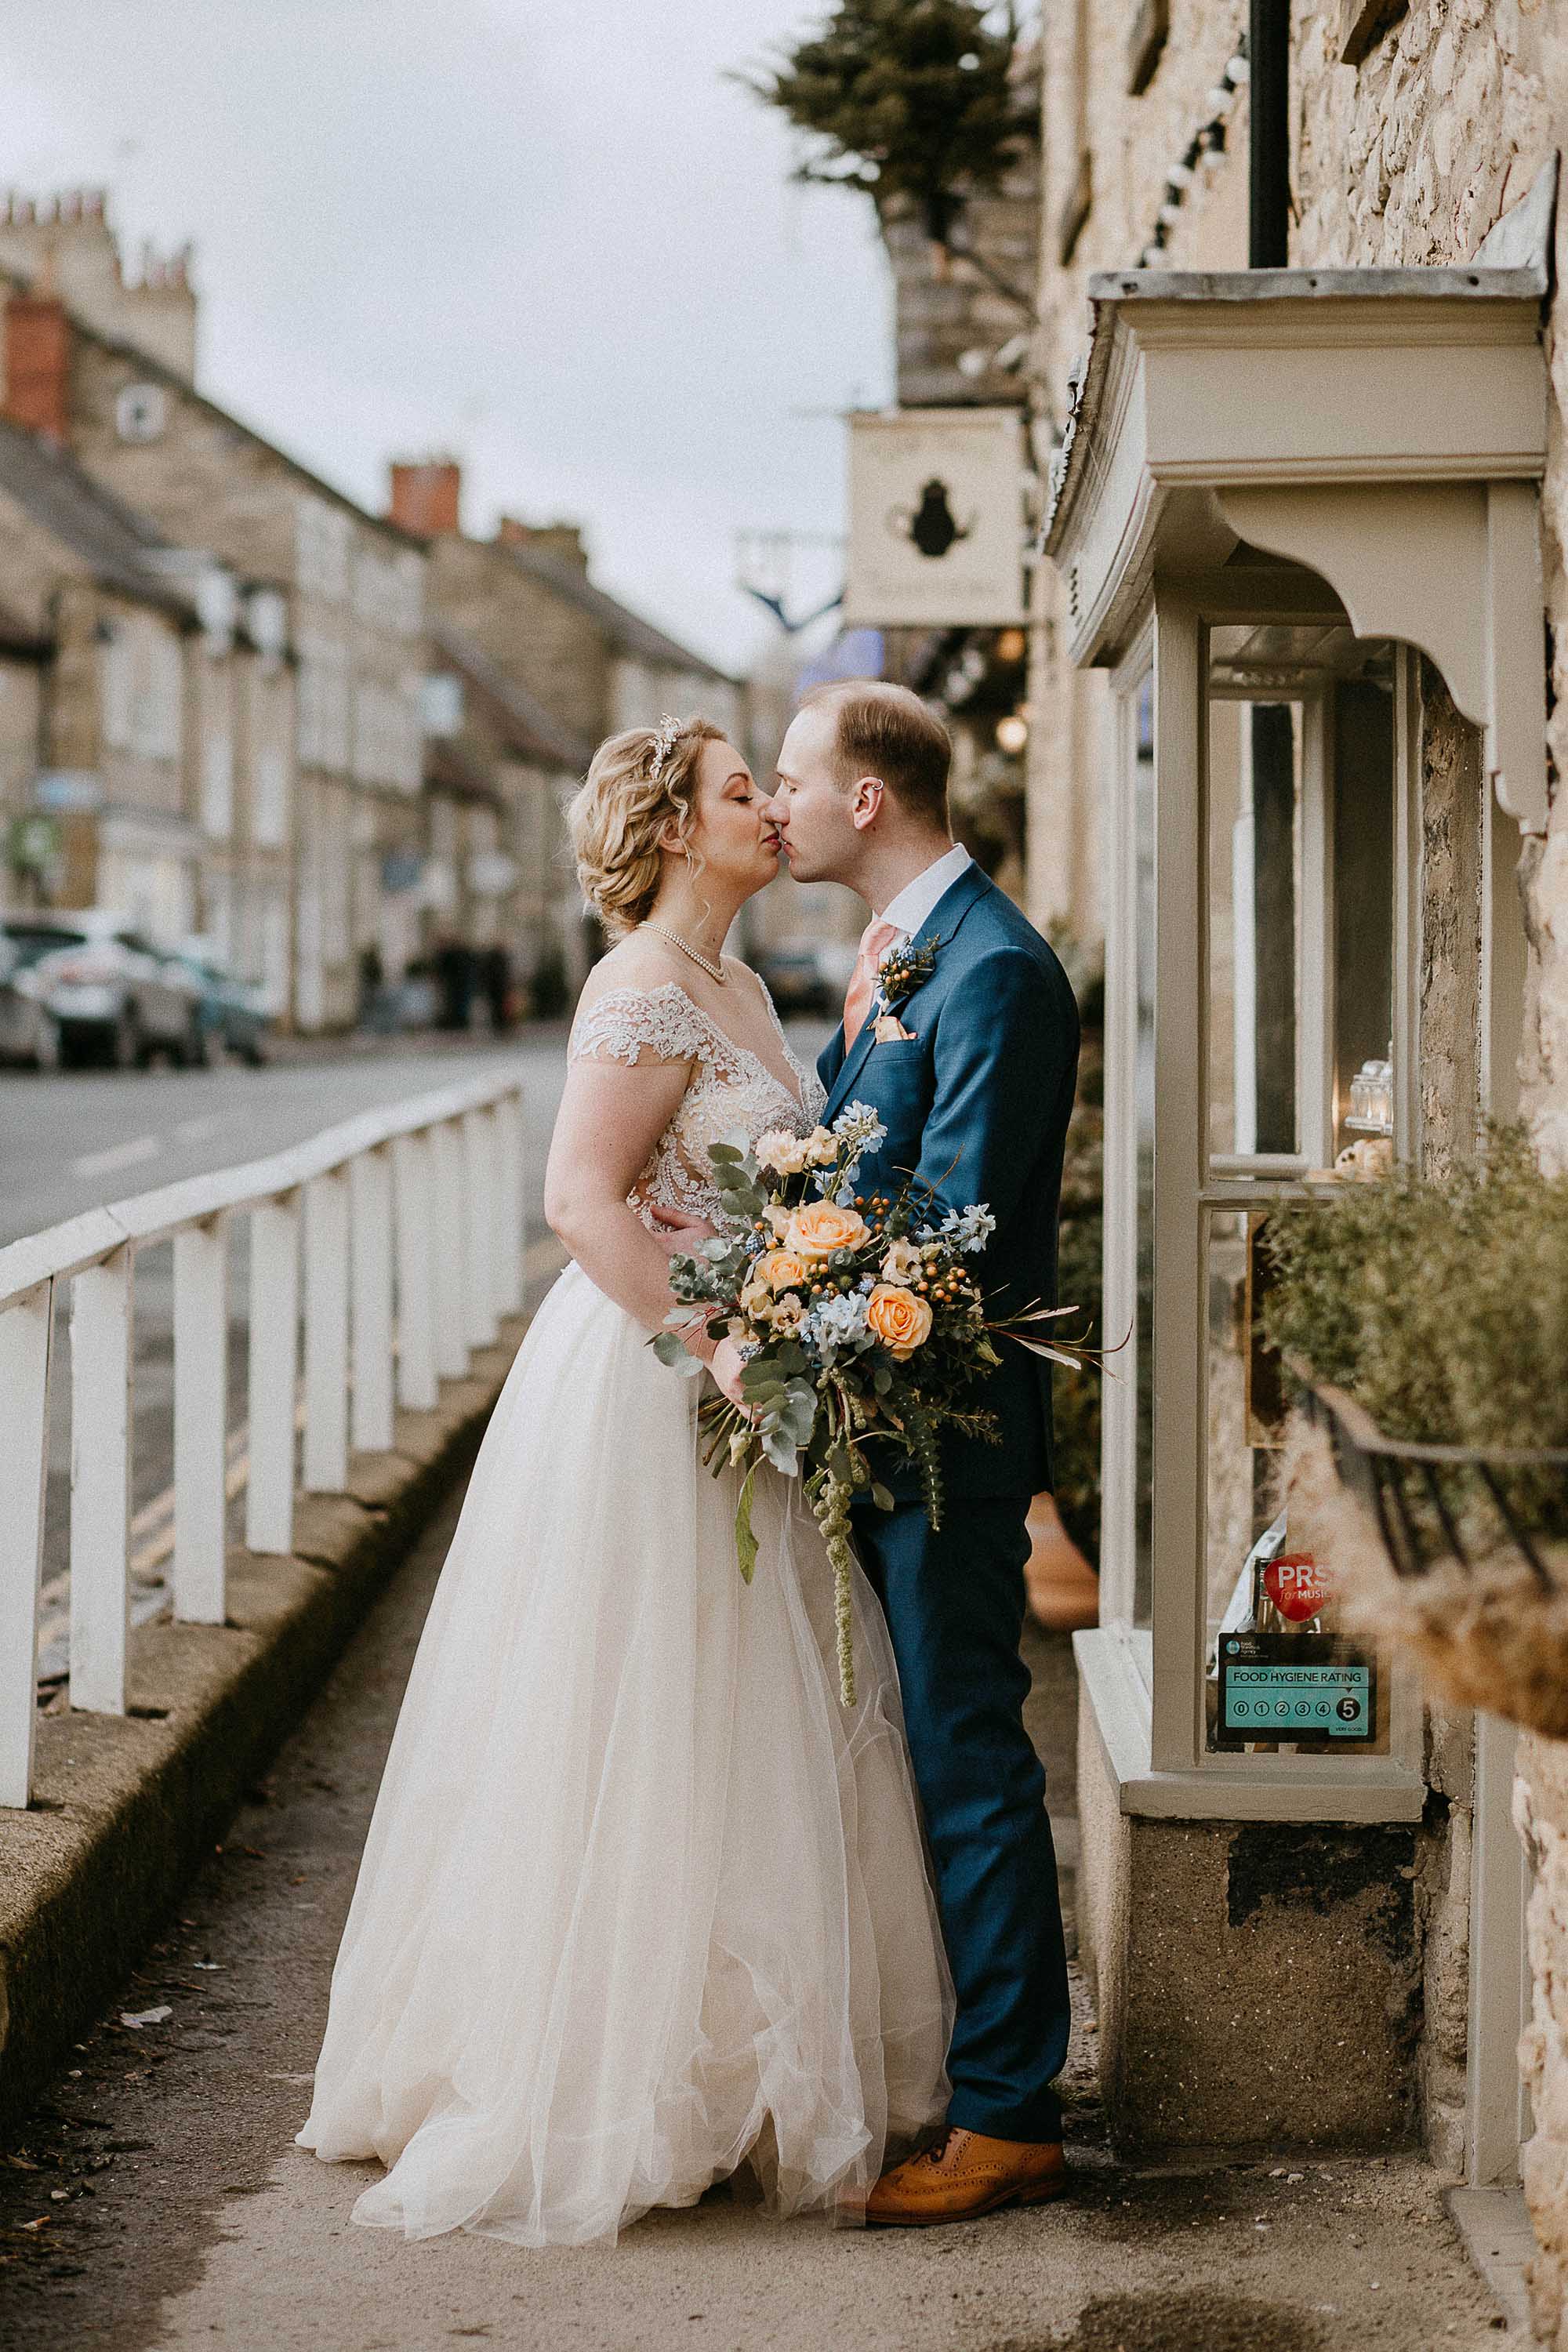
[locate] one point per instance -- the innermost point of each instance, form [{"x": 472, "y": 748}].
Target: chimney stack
[
  {"x": 563, "y": 539},
  {"x": 425, "y": 492},
  {"x": 38, "y": 364}
]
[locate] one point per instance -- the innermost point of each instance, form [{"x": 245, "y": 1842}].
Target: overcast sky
[{"x": 551, "y": 238}]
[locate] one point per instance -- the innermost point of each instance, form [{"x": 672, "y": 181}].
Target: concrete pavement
[{"x": 158, "y": 2203}]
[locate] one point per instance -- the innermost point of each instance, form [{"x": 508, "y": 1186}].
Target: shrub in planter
[{"x": 1438, "y": 1308}]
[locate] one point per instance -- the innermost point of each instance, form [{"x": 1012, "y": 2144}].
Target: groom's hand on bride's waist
[{"x": 677, "y": 1233}]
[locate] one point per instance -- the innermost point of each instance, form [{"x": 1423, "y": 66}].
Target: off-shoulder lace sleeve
[{"x": 634, "y": 1024}]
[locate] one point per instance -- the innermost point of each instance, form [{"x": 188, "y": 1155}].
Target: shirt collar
[{"x": 914, "y": 903}]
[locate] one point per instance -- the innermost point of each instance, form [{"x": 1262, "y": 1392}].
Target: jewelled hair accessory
[{"x": 663, "y": 745}]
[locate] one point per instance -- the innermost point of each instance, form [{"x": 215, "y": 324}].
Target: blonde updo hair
[{"x": 637, "y": 782}]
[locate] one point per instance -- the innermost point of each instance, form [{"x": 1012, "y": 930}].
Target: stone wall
[
  {"x": 1098, "y": 137},
  {"x": 1407, "y": 159},
  {"x": 1541, "y": 1809},
  {"x": 1410, "y": 159},
  {"x": 1449, "y": 1013}
]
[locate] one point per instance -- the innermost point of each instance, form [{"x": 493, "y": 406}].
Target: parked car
[
  {"x": 806, "y": 975},
  {"x": 29, "y": 1033},
  {"x": 111, "y": 992},
  {"x": 233, "y": 1013}
]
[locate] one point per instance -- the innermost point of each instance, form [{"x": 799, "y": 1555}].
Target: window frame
[{"x": 1147, "y": 1683}]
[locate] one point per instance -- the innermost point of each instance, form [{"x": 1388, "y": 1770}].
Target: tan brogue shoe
[{"x": 962, "y": 2173}]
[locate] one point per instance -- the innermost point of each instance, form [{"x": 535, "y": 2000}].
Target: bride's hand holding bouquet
[{"x": 861, "y": 1325}]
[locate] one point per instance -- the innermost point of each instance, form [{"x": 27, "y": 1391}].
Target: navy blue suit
[{"x": 977, "y": 1103}]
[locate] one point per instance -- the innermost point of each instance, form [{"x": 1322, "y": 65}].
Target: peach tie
[{"x": 875, "y": 941}]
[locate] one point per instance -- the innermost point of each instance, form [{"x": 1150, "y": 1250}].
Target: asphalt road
[
  {"x": 156, "y": 2201},
  {"x": 75, "y": 1141}
]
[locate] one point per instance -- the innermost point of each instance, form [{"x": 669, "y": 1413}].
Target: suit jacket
[{"x": 976, "y": 1104}]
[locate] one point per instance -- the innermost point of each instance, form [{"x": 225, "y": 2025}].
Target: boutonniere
[{"x": 901, "y": 971}]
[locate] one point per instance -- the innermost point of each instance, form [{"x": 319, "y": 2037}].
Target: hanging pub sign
[{"x": 936, "y": 522}]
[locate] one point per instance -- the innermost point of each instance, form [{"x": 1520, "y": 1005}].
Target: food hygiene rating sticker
[{"x": 1293, "y": 1686}]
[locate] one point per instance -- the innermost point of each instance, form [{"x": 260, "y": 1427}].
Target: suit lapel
[
  {"x": 849, "y": 1067},
  {"x": 831, "y": 1058},
  {"x": 936, "y": 931}
]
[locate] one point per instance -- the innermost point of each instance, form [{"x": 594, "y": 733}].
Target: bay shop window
[
  {"x": 1296, "y": 518},
  {"x": 1292, "y": 509}
]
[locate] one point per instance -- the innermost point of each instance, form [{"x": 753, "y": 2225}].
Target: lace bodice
[{"x": 732, "y": 1096}]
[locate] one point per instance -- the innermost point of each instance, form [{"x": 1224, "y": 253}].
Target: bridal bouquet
[{"x": 862, "y": 1326}]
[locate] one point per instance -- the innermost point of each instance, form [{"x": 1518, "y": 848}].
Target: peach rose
[
  {"x": 899, "y": 1317},
  {"x": 780, "y": 1269},
  {"x": 903, "y": 1263},
  {"x": 785, "y": 1153},
  {"x": 817, "y": 1228}
]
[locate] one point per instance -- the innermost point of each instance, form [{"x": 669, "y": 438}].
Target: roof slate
[
  {"x": 531, "y": 728},
  {"x": 112, "y": 538},
  {"x": 627, "y": 628}
]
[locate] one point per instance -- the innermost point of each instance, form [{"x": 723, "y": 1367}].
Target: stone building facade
[
  {"x": 526, "y": 598},
  {"x": 498, "y": 734},
  {"x": 64, "y": 243},
  {"x": 543, "y": 664},
  {"x": 156, "y": 738},
  {"x": 102, "y": 366},
  {"x": 354, "y": 588},
  {"x": 1415, "y": 126}
]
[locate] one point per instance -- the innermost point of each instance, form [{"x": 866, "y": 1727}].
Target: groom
[{"x": 971, "y": 1072}]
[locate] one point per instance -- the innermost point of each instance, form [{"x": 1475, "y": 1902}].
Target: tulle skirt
[{"x": 641, "y": 1901}]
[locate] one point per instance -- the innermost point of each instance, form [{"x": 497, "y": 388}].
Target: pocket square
[{"x": 889, "y": 1028}]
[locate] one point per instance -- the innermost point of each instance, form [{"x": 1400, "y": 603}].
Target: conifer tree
[{"x": 911, "y": 102}]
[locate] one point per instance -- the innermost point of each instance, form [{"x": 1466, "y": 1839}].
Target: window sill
[{"x": 1376, "y": 1789}]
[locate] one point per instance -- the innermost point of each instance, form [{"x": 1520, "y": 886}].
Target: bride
[{"x": 641, "y": 1903}]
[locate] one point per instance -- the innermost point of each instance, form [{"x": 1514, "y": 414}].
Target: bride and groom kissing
[{"x": 643, "y": 1904}]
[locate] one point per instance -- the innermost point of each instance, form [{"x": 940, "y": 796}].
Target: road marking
[
  {"x": 196, "y": 1130},
  {"x": 119, "y": 1155}
]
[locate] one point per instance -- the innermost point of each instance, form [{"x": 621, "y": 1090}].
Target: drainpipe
[
  {"x": 1269, "y": 135},
  {"x": 1273, "y": 762}
]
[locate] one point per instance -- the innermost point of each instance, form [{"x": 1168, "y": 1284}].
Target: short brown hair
[{"x": 887, "y": 731}]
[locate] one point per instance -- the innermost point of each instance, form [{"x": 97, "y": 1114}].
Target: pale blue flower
[
  {"x": 841, "y": 1322},
  {"x": 969, "y": 1229},
  {"x": 858, "y": 1124}
]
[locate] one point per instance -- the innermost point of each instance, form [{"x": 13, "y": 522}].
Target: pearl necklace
[{"x": 714, "y": 971}]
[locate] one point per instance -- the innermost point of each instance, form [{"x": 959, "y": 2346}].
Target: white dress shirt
[{"x": 914, "y": 903}]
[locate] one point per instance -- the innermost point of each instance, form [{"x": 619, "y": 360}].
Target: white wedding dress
[{"x": 640, "y": 1901}]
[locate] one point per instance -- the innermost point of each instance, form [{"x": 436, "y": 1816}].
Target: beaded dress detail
[{"x": 734, "y": 1096}]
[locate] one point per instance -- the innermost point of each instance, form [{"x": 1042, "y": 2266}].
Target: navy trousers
[{"x": 954, "y": 1600}]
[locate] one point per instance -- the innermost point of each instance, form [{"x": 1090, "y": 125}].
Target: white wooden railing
[{"x": 411, "y": 1225}]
